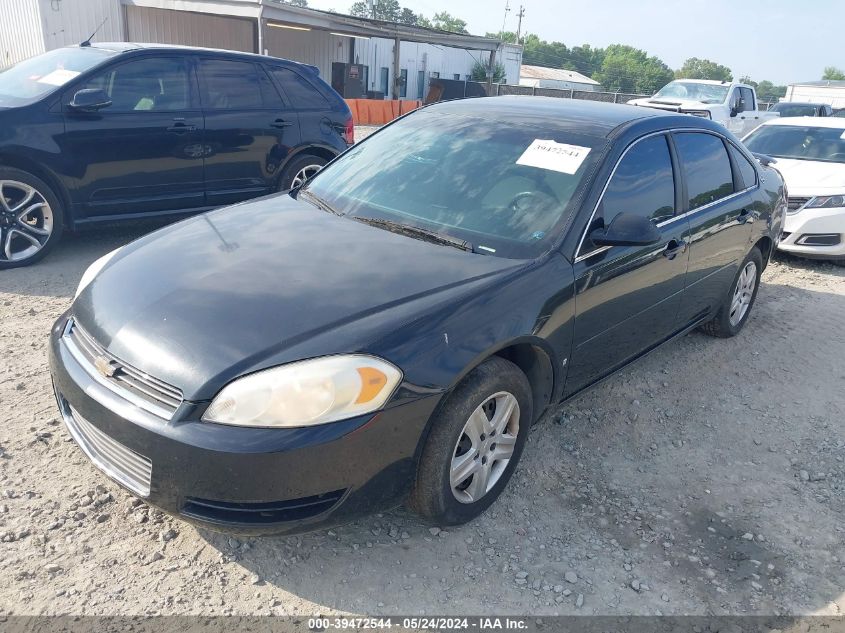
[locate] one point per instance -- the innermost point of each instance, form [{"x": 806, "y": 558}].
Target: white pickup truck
[{"x": 734, "y": 105}]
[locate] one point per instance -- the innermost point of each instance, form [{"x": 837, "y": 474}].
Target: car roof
[
  {"x": 809, "y": 121},
  {"x": 128, "y": 47},
  {"x": 710, "y": 82},
  {"x": 593, "y": 118}
]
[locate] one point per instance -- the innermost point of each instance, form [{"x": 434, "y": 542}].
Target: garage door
[{"x": 190, "y": 29}]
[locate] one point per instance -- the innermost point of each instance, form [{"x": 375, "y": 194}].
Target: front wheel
[
  {"x": 737, "y": 304},
  {"x": 30, "y": 218},
  {"x": 474, "y": 445}
]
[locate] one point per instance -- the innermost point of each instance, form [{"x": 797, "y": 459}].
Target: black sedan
[{"x": 389, "y": 331}]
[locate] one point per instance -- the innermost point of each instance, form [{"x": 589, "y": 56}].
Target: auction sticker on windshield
[
  {"x": 58, "y": 77},
  {"x": 548, "y": 154}
]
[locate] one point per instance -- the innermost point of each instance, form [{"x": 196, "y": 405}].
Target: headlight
[
  {"x": 704, "y": 114},
  {"x": 93, "y": 270},
  {"x": 826, "y": 202},
  {"x": 306, "y": 393}
]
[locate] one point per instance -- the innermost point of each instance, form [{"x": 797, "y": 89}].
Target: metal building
[
  {"x": 271, "y": 27},
  {"x": 542, "y": 77}
]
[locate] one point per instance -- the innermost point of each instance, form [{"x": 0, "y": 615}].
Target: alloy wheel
[
  {"x": 304, "y": 174},
  {"x": 485, "y": 447},
  {"x": 26, "y": 221},
  {"x": 743, "y": 293}
]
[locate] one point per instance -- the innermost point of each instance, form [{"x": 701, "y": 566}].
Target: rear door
[
  {"x": 144, "y": 152},
  {"x": 248, "y": 130},
  {"x": 719, "y": 185},
  {"x": 627, "y": 297}
]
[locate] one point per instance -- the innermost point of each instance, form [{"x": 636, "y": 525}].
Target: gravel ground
[{"x": 706, "y": 479}]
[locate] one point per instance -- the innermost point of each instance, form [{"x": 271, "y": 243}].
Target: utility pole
[
  {"x": 505, "y": 21},
  {"x": 520, "y": 15}
]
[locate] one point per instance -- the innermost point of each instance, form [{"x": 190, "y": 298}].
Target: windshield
[
  {"x": 705, "y": 93},
  {"x": 504, "y": 188},
  {"x": 800, "y": 142},
  {"x": 794, "y": 109},
  {"x": 34, "y": 77}
]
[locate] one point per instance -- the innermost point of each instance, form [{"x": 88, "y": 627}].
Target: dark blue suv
[{"x": 110, "y": 131}]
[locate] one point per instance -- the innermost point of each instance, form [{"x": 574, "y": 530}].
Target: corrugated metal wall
[
  {"x": 191, "y": 29},
  {"x": 318, "y": 48},
  {"x": 67, "y": 22},
  {"x": 20, "y": 31}
]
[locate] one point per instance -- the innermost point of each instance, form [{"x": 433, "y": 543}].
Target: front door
[
  {"x": 627, "y": 297},
  {"x": 721, "y": 209},
  {"x": 144, "y": 152},
  {"x": 248, "y": 131}
]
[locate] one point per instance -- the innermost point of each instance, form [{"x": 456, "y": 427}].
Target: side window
[
  {"x": 152, "y": 84},
  {"x": 230, "y": 85},
  {"x": 297, "y": 89},
  {"x": 747, "y": 100},
  {"x": 746, "y": 170},
  {"x": 706, "y": 166},
  {"x": 643, "y": 183}
]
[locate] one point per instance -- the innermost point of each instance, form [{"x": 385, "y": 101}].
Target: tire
[
  {"x": 433, "y": 497},
  {"x": 292, "y": 174},
  {"x": 26, "y": 237},
  {"x": 727, "y": 322}
]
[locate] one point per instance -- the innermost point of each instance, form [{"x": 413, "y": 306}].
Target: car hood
[
  {"x": 812, "y": 178},
  {"x": 220, "y": 294}
]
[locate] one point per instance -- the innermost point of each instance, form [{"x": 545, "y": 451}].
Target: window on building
[
  {"x": 435, "y": 75},
  {"x": 420, "y": 84},
  {"x": 384, "y": 81},
  {"x": 456, "y": 76},
  {"x": 403, "y": 90}
]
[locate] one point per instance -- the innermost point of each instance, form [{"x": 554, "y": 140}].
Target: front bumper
[
  {"x": 815, "y": 233},
  {"x": 244, "y": 480}
]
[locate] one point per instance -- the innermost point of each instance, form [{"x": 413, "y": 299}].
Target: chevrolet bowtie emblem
[{"x": 106, "y": 367}]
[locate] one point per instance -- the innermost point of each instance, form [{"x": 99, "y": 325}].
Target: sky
[{"x": 784, "y": 41}]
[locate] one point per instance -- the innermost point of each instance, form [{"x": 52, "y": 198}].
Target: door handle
[
  {"x": 180, "y": 127},
  {"x": 674, "y": 248},
  {"x": 281, "y": 123},
  {"x": 745, "y": 216}
]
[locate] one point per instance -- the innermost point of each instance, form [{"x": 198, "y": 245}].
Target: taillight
[{"x": 349, "y": 132}]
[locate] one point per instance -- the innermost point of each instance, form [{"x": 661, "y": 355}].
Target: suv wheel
[
  {"x": 30, "y": 218},
  {"x": 300, "y": 170},
  {"x": 475, "y": 442}
]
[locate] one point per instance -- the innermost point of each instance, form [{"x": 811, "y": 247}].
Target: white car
[{"x": 810, "y": 154}]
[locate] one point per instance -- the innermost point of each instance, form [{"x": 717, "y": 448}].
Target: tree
[
  {"x": 387, "y": 10},
  {"x": 833, "y": 74},
  {"x": 629, "y": 69},
  {"x": 767, "y": 91},
  {"x": 479, "y": 72},
  {"x": 447, "y": 22},
  {"x": 695, "y": 68},
  {"x": 748, "y": 80}
]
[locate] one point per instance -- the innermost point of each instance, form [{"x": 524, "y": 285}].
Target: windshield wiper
[
  {"x": 417, "y": 232},
  {"x": 317, "y": 201}
]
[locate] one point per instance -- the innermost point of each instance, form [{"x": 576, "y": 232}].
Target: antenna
[{"x": 97, "y": 30}]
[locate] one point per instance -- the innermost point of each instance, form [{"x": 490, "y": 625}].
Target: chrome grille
[
  {"x": 147, "y": 392},
  {"x": 116, "y": 460},
  {"x": 793, "y": 204}
]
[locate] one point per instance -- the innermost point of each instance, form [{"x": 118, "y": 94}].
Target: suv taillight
[{"x": 349, "y": 132}]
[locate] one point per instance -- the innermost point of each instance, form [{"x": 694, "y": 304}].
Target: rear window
[
  {"x": 33, "y": 78},
  {"x": 799, "y": 142},
  {"x": 794, "y": 109},
  {"x": 230, "y": 85},
  {"x": 706, "y": 166},
  {"x": 297, "y": 89},
  {"x": 503, "y": 186}
]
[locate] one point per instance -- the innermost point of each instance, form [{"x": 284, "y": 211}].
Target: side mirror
[
  {"x": 734, "y": 110},
  {"x": 90, "y": 100},
  {"x": 627, "y": 229}
]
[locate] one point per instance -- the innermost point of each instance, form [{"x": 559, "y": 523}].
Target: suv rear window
[
  {"x": 230, "y": 85},
  {"x": 298, "y": 90}
]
